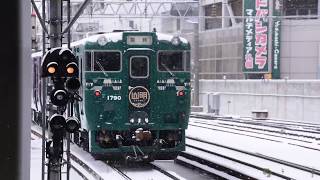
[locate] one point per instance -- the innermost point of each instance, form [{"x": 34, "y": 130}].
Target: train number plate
[{"x": 113, "y": 98}]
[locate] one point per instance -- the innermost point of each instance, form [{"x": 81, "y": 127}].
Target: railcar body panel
[{"x": 136, "y": 93}]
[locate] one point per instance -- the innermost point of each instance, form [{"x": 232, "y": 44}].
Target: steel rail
[
  {"x": 163, "y": 171},
  {"x": 266, "y": 124},
  {"x": 253, "y": 136},
  {"x": 240, "y": 128},
  {"x": 279, "y": 161},
  {"x": 120, "y": 172},
  {"x": 73, "y": 167}
]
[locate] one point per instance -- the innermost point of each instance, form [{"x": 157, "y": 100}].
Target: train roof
[{"x": 115, "y": 37}]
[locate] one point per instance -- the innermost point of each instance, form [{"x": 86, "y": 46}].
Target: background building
[
  {"x": 222, "y": 39},
  {"x": 292, "y": 50}
]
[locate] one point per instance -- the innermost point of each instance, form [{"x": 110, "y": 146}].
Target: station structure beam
[{"x": 146, "y": 9}]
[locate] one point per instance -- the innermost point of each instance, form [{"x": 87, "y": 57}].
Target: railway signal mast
[{"x": 60, "y": 65}]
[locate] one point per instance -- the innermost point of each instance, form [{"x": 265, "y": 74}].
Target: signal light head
[
  {"x": 72, "y": 69},
  {"x": 73, "y": 84},
  {"x": 72, "y": 124},
  {"x": 57, "y": 122},
  {"x": 59, "y": 97},
  {"x": 52, "y": 68}
]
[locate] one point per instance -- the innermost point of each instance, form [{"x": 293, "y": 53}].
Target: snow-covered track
[
  {"x": 37, "y": 134},
  {"x": 305, "y": 137},
  {"x": 83, "y": 163},
  {"x": 277, "y": 137},
  {"x": 240, "y": 163},
  {"x": 201, "y": 164},
  {"x": 289, "y": 126},
  {"x": 144, "y": 171}
]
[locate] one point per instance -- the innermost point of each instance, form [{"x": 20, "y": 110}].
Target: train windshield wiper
[
  {"x": 168, "y": 70},
  {"x": 102, "y": 69}
]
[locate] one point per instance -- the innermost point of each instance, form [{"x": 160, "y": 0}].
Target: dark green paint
[{"x": 115, "y": 113}]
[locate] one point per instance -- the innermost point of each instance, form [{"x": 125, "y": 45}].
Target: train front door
[{"x": 139, "y": 90}]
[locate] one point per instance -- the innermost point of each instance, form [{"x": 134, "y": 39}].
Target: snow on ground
[
  {"x": 284, "y": 151},
  {"x": 266, "y": 164},
  {"x": 36, "y": 161},
  {"x": 289, "y": 139},
  {"x": 180, "y": 171}
]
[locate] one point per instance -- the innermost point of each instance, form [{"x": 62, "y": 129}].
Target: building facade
[{"x": 281, "y": 43}]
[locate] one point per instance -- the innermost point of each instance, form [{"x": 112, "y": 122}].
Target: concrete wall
[
  {"x": 284, "y": 99},
  {"x": 300, "y": 49}
]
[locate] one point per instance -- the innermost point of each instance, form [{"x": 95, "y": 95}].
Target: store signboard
[
  {"x": 256, "y": 35},
  {"x": 276, "y": 25}
]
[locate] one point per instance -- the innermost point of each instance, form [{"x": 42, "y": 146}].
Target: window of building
[
  {"x": 174, "y": 61},
  {"x": 107, "y": 61},
  {"x": 300, "y": 8}
]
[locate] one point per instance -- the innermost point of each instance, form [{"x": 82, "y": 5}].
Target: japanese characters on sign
[
  {"x": 256, "y": 36},
  {"x": 276, "y": 44},
  {"x": 277, "y": 4}
]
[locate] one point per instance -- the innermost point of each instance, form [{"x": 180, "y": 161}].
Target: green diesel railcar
[{"x": 136, "y": 95}]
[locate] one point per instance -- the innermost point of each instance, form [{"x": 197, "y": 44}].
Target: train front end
[{"x": 136, "y": 95}]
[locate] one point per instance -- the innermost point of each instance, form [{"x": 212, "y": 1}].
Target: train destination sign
[
  {"x": 256, "y": 36},
  {"x": 139, "y": 97}
]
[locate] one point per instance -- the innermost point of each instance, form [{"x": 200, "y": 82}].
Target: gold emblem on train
[{"x": 139, "y": 97}]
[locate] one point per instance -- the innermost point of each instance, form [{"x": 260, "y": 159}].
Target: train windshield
[
  {"x": 174, "y": 61},
  {"x": 107, "y": 61},
  {"x": 139, "y": 66}
]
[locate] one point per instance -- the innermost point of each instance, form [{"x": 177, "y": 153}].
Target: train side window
[
  {"x": 186, "y": 58},
  {"x": 139, "y": 66},
  {"x": 107, "y": 61},
  {"x": 88, "y": 61},
  {"x": 174, "y": 61}
]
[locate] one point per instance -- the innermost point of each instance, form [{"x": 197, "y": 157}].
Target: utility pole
[
  {"x": 55, "y": 21},
  {"x": 55, "y": 38},
  {"x": 58, "y": 126},
  {"x": 196, "y": 64}
]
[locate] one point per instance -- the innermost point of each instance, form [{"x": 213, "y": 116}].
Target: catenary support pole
[
  {"x": 196, "y": 65},
  {"x": 44, "y": 97},
  {"x": 54, "y": 165}
]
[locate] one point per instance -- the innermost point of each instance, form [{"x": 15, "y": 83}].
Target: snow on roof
[
  {"x": 111, "y": 37},
  {"x": 168, "y": 37}
]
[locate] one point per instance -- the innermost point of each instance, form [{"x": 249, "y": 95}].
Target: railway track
[
  {"x": 95, "y": 169},
  {"x": 244, "y": 164},
  {"x": 304, "y": 142},
  {"x": 281, "y": 132},
  {"x": 78, "y": 162},
  {"x": 280, "y": 124}
]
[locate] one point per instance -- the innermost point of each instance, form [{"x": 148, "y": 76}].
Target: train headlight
[
  {"x": 102, "y": 40},
  {"x": 57, "y": 122},
  {"x": 146, "y": 120},
  {"x": 131, "y": 120},
  {"x": 175, "y": 40},
  {"x": 72, "y": 124}
]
